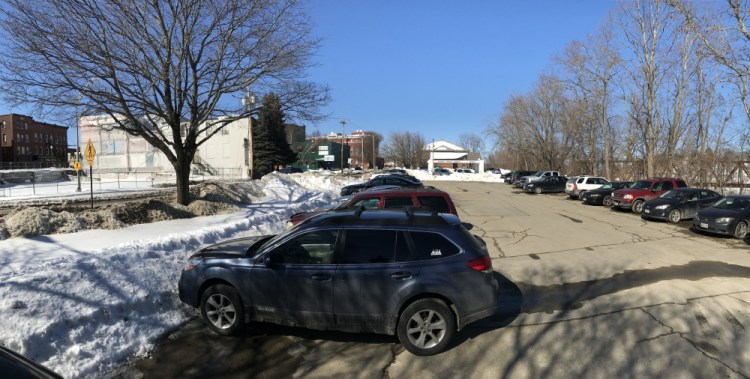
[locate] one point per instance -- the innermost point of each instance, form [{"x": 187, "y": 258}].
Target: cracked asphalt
[{"x": 586, "y": 292}]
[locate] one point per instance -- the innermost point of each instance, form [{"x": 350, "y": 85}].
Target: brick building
[{"x": 29, "y": 143}]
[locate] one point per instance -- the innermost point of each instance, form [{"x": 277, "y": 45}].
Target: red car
[
  {"x": 427, "y": 197},
  {"x": 642, "y": 191}
]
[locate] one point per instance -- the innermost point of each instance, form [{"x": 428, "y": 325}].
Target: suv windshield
[{"x": 642, "y": 184}]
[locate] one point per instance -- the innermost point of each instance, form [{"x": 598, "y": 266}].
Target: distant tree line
[{"x": 661, "y": 89}]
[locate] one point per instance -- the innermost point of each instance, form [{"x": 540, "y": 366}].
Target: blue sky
[{"x": 440, "y": 68}]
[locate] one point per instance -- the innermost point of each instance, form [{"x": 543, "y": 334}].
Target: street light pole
[
  {"x": 249, "y": 102},
  {"x": 78, "y": 148},
  {"x": 343, "y": 123}
]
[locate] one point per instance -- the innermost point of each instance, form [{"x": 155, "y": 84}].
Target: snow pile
[
  {"x": 457, "y": 177},
  {"x": 83, "y": 303}
]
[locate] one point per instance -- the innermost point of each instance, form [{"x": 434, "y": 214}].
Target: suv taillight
[{"x": 483, "y": 263}]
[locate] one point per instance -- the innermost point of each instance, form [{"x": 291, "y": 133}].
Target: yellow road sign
[
  {"x": 77, "y": 166},
  {"x": 90, "y": 152}
]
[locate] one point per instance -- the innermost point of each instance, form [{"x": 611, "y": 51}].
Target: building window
[{"x": 5, "y": 139}]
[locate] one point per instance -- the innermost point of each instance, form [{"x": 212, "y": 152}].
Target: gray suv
[{"x": 419, "y": 275}]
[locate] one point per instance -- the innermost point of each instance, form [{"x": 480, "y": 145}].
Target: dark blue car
[
  {"x": 679, "y": 204},
  {"x": 421, "y": 276},
  {"x": 729, "y": 216}
]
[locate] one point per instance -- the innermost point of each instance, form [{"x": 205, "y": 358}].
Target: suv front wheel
[
  {"x": 221, "y": 308},
  {"x": 426, "y": 327},
  {"x": 638, "y": 206}
]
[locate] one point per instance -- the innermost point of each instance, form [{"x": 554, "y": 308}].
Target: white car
[
  {"x": 576, "y": 187},
  {"x": 464, "y": 171}
]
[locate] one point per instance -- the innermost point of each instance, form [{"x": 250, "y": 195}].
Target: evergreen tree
[{"x": 270, "y": 148}]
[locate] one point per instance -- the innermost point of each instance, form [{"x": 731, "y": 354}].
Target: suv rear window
[
  {"x": 437, "y": 203},
  {"x": 432, "y": 246},
  {"x": 370, "y": 203},
  {"x": 397, "y": 201},
  {"x": 375, "y": 246}
]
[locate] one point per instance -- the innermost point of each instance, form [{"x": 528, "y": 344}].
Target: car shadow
[{"x": 509, "y": 306}]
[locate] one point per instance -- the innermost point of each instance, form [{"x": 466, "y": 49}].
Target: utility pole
[
  {"x": 343, "y": 123},
  {"x": 373, "y": 150},
  {"x": 78, "y": 147},
  {"x": 249, "y": 103}
]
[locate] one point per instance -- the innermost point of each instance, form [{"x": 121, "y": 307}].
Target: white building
[
  {"x": 225, "y": 154},
  {"x": 447, "y": 155}
]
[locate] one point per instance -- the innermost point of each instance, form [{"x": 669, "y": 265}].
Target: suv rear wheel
[
  {"x": 221, "y": 308},
  {"x": 638, "y": 206},
  {"x": 426, "y": 327}
]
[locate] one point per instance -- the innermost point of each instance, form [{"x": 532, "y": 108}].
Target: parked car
[
  {"x": 393, "y": 180},
  {"x": 603, "y": 194},
  {"x": 14, "y": 365},
  {"x": 395, "y": 171},
  {"x": 429, "y": 198},
  {"x": 538, "y": 176},
  {"x": 728, "y": 216},
  {"x": 516, "y": 176},
  {"x": 580, "y": 184},
  {"x": 634, "y": 197},
  {"x": 465, "y": 170},
  {"x": 441, "y": 171},
  {"x": 546, "y": 184},
  {"x": 679, "y": 204},
  {"x": 419, "y": 275}
]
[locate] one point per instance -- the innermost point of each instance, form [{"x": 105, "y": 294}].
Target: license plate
[{"x": 704, "y": 225}]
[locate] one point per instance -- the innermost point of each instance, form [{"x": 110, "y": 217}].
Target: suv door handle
[
  {"x": 401, "y": 275},
  {"x": 321, "y": 277}
]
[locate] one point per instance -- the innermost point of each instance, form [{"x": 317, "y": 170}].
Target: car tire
[
  {"x": 426, "y": 327},
  {"x": 637, "y": 206},
  {"x": 607, "y": 201},
  {"x": 675, "y": 216},
  {"x": 538, "y": 190},
  {"x": 222, "y": 309},
  {"x": 740, "y": 231},
  {"x": 580, "y": 195}
]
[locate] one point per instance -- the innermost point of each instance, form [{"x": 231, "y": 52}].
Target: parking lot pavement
[{"x": 586, "y": 292}]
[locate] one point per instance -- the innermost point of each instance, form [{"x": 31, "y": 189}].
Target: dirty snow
[{"x": 82, "y": 292}]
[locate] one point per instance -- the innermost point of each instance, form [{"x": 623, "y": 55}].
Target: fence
[
  {"x": 64, "y": 182},
  {"x": 32, "y": 165}
]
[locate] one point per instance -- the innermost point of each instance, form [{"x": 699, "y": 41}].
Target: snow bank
[{"x": 83, "y": 303}]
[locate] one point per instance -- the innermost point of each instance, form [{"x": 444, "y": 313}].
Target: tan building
[{"x": 29, "y": 143}]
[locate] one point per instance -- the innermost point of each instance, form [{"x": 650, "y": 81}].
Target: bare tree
[
  {"x": 536, "y": 128},
  {"x": 472, "y": 142},
  {"x": 405, "y": 148},
  {"x": 590, "y": 67},
  {"x": 162, "y": 70},
  {"x": 647, "y": 32}
]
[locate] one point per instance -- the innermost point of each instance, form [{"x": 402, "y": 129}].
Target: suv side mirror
[
  {"x": 270, "y": 260},
  {"x": 467, "y": 225}
]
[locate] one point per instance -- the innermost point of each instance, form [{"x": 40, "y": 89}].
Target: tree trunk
[{"x": 182, "y": 172}]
